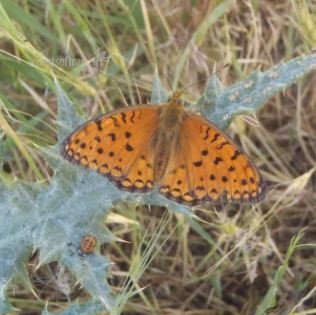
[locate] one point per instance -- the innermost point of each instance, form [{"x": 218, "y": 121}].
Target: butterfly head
[
  {"x": 175, "y": 100},
  {"x": 174, "y": 110}
]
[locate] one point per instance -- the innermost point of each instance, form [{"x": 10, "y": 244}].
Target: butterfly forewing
[{"x": 117, "y": 146}]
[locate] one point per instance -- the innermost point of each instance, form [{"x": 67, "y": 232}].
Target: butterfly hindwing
[
  {"x": 116, "y": 145},
  {"x": 177, "y": 183}
]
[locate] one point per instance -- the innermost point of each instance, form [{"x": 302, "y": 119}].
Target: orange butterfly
[{"x": 187, "y": 157}]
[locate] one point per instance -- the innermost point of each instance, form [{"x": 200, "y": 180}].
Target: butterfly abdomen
[{"x": 161, "y": 147}]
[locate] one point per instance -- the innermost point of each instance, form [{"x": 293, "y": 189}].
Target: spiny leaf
[
  {"x": 158, "y": 94},
  {"x": 68, "y": 120},
  {"x": 251, "y": 93},
  {"x": 55, "y": 217},
  {"x": 16, "y": 217}
]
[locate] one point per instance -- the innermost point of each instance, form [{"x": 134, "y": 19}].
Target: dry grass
[{"x": 230, "y": 268}]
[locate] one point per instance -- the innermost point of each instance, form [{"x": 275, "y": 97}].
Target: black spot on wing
[
  {"x": 235, "y": 155},
  {"x": 112, "y": 136},
  {"x": 221, "y": 145},
  {"x": 231, "y": 169},
  {"x": 206, "y": 133},
  {"x": 128, "y": 147},
  {"x": 218, "y": 160},
  {"x": 123, "y": 117},
  {"x": 216, "y": 136},
  {"x": 198, "y": 163}
]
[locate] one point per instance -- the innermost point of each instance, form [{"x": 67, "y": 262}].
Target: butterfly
[{"x": 165, "y": 147}]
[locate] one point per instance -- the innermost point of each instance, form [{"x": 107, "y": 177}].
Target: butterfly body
[
  {"x": 165, "y": 139},
  {"x": 188, "y": 158}
]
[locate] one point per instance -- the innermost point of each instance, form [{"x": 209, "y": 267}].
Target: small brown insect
[{"x": 88, "y": 244}]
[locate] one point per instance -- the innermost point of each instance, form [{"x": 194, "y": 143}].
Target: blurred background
[{"x": 104, "y": 54}]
